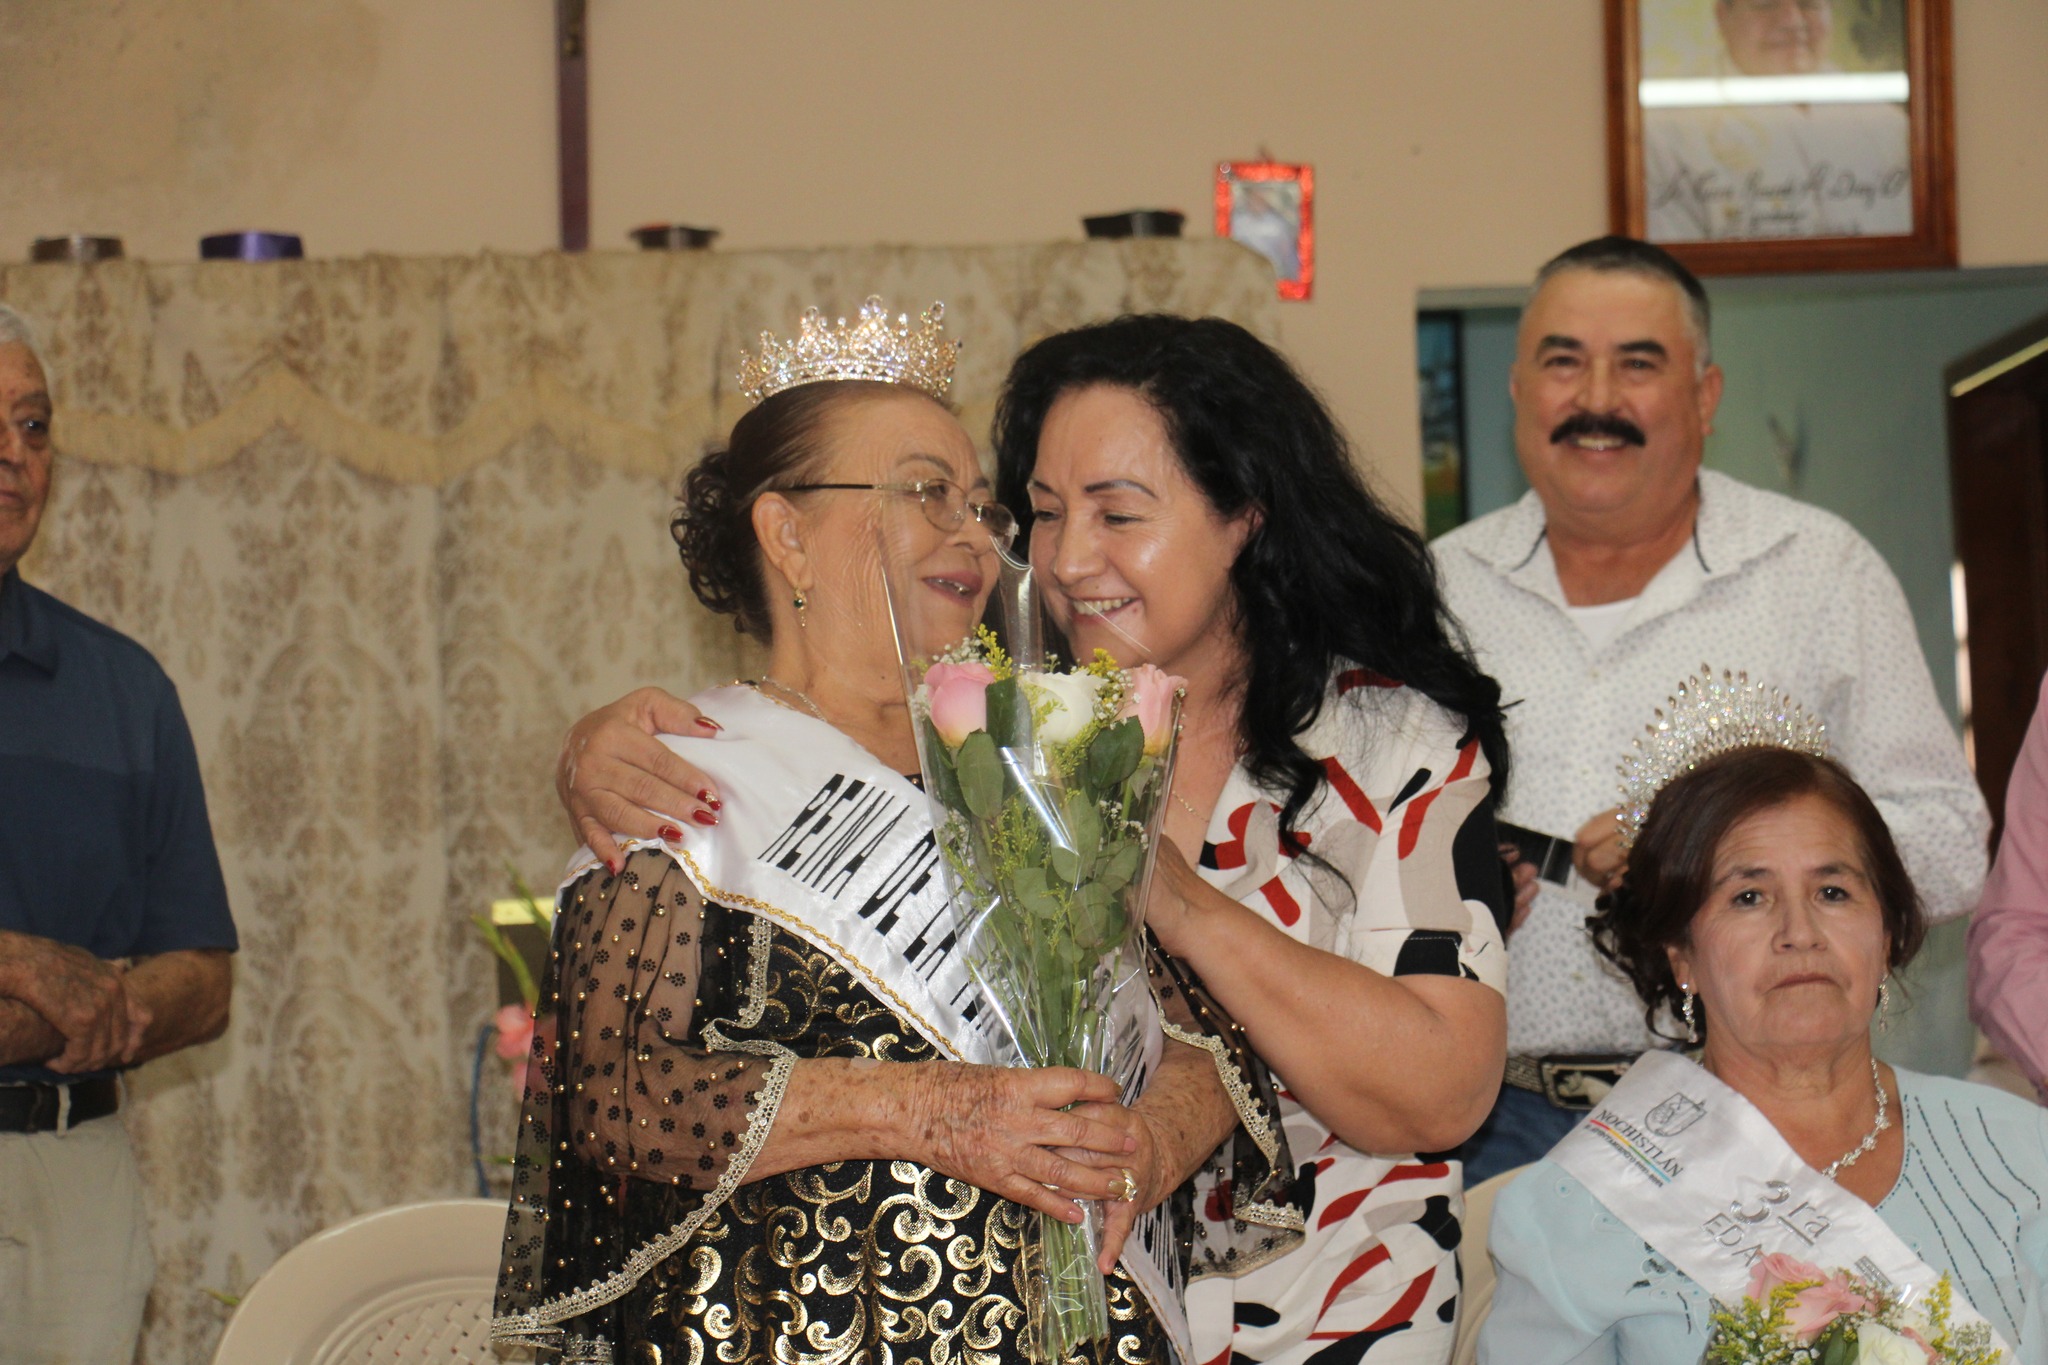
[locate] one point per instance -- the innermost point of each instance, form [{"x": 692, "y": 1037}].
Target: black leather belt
[
  {"x": 39, "y": 1107},
  {"x": 1569, "y": 1080},
  {"x": 1548, "y": 854}
]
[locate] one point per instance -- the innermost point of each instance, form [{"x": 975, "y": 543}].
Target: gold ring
[{"x": 1130, "y": 1186}]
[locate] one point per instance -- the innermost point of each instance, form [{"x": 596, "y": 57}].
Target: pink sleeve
[{"x": 2009, "y": 933}]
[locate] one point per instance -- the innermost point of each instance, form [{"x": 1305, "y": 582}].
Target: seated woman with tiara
[
  {"x": 765, "y": 1121},
  {"x": 1787, "y": 1185}
]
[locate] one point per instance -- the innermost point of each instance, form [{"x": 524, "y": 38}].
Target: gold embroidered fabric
[
  {"x": 391, "y": 525},
  {"x": 629, "y": 1221},
  {"x": 1242, "y": 1209}
]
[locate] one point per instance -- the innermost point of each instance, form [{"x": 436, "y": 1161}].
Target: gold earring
[{"x": 799, "y": 601}]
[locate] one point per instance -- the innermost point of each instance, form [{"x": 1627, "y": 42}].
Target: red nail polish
[
  {"x": 706, "y": 723},
  {"x": 670, "y": 834},
  {"x": 703, "y": 817},
  {"x": 708, "y": 799},
  {"x": 615, "y": 865}
]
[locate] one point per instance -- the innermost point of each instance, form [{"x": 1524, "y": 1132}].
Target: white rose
[
  {"x": 1880, "y": 1345},
  {"x": 1073, "y": 702}
]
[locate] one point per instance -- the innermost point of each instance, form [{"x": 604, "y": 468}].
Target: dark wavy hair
[
  {"x": 1671, "y": 868},
  {"x": 1328, "y": 575},
  {"x": 777, "y": 443}
]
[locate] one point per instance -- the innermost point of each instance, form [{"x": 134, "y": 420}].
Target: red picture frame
[{"x": 1269, "y": 206}]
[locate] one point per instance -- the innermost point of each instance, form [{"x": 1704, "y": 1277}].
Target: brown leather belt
[
  {"x": 1569, "y": 1080},
  {"x": 40, "y": 1107}
]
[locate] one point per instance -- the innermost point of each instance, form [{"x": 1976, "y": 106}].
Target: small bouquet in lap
[
  {"x": 1797, "y": 1312},
  {"x": 1048, "y": 787}
]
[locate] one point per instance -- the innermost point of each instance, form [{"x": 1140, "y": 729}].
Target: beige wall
[{"x": 1456, "y": 142}]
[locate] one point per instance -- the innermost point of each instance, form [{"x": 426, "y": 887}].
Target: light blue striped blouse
[{"x": 1576, "y": 1285}]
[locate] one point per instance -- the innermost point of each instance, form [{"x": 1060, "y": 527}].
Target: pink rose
[
  {"x": 1779, "y": 1269},
  {"x": 1151, "y": 701},
  {"x": 515, "y": 1032},
  {"x": 1812, "y": 1309},
  {"x": 959, "y": 699}
]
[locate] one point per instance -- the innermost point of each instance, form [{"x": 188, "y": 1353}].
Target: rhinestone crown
[
  {"x": 869, "y": 349},
  {"x": 1709, "y": 716}
]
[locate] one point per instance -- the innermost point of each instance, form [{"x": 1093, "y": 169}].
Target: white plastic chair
[
  {"x": 403, "y": 1284},
  {"x": 1475, "y": 1265}
]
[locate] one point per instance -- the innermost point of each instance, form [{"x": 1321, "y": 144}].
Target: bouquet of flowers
[
  {"x": 1048, "y": 788},
  {"x": 1796, "y": 1312}
]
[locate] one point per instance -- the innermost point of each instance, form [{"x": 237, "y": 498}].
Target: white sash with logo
[
  {"x": 820, "y": 837},
  {"x": 1702, "y": 1176}
]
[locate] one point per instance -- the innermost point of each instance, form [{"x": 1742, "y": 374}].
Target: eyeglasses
[{"x": 944, "y": 503}]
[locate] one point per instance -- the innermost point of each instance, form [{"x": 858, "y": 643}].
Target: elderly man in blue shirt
[{"x": 114, "y": 923}]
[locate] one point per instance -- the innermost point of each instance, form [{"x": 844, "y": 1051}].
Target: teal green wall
[{"x": 1854, "y": 365}]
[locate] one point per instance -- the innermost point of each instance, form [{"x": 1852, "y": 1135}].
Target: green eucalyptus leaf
[
  {"x": 1084, "y": 823},
  {"x": 945, "y": 783},
  {"x": 1119, "y": 867},
  {"x": 1066, "y": 865},
  {"x": 1115, "y": 753},
  {"x": 980, "y": 772},
  {"x": 1039, "y": 903},
  {"x": 1837, "y": 1347},
  {"x": 1008, "y": 720},
  {"x": 1092, "y": 922}
]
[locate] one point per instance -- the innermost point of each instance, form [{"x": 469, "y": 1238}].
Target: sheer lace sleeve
[
  {"x": 646, "y": 1096},
  {"x": 638, "y": 1118},
  {"x": 1240, "y": 1209}
]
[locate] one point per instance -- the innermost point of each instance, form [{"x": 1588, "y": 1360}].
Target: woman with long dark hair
[{"x": 1191, "y": 504}]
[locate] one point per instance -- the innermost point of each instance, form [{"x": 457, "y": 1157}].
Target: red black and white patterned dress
[{"x": 1405, "y": 818}]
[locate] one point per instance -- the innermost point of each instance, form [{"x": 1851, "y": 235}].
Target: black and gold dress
[{"x": 668, "y": 1027}]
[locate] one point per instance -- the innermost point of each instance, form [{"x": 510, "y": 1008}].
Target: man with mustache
[
  {"x": 114, "y": 924},
  {"x": 1623, "y": 569}
]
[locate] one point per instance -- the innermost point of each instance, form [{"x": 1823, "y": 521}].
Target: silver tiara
[
  {"x": 871, "y": 348},
  {"x": 1709, "y": 716}
]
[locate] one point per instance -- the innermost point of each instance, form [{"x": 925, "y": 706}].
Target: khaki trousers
[{"x": 75, "y": 1263}]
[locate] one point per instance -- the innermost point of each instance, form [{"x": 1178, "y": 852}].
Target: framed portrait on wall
[
  {"x": 1270, "y": 207},
  {"x": 1762, "y": 135}
]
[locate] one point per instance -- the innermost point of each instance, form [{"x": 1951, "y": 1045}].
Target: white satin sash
[
  {"x": 1702, "y": 1176},
  {"x": 819, "y": 836},
  {"x": 825, "y": 840}
]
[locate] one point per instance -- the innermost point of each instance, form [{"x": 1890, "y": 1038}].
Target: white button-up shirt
[{"x": 1786, "y": 592}]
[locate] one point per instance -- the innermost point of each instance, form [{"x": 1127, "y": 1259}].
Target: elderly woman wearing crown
[
  {"x": 765, "y": 1122},
  {"x": 1787, "y": 1193}
]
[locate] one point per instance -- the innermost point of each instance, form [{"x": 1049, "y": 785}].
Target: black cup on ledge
[
  {"x": 76, "y": 246},
  {"x": 1136, "y": 223},
  {"x": 251, "y": 246},
  {"x": 672, "y": 237}
]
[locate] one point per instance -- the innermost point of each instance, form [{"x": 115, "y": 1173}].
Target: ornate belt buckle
[{"x": 1580, "y": 1082}]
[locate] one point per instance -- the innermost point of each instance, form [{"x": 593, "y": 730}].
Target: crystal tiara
[
  {"x": 869, "y": 349},
  {"x": 1709, "y": 716}
]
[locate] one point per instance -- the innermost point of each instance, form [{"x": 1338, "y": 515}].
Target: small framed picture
[
  {"x": 1768, "y": 135},
  {"x": 1270, "y": 207}
]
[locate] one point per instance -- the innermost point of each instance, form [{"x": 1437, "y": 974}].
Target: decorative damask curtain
[{"x": 391, "y": 524}]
